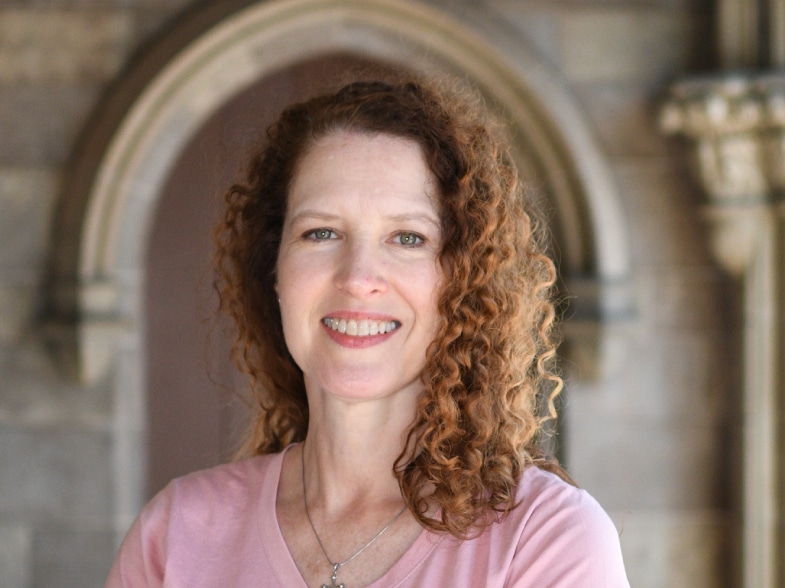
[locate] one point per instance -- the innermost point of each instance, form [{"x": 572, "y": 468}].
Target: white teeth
[{"x": 361, "y": 328}]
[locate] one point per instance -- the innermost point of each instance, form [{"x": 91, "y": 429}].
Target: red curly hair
[{"x": 489, "y": 380}]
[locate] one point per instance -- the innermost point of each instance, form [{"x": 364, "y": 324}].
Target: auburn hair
[{"x": 489, "y": 381}]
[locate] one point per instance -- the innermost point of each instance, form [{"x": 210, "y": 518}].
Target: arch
[{"x": 160, "y": 103}]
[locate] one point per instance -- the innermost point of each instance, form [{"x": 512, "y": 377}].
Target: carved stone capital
[{"x": 737, "y": 127}]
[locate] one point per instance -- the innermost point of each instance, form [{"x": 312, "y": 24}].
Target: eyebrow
[
  {"x": 405, "y": 217},
  {"x": 315, "y": 214},
  {"x": 421, "y": 217}
]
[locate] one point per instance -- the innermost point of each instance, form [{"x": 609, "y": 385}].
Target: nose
[{"x": 361, "y": 271}]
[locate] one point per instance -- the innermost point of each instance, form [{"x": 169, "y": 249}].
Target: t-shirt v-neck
[
  {"x": 219, "y": 527},
  {"x": 280, "y": 559}
]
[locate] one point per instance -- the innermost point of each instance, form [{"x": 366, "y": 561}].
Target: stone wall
[
  {"x": 56, "y": 60},
  {"x": 662, "y": 406},
  {"x": 647, "y": 432}
]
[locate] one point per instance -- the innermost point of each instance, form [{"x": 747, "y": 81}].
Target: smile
[{"x": 361, "y": 328}]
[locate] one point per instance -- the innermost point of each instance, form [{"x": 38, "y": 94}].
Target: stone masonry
[{"x": 651, "y": 434}]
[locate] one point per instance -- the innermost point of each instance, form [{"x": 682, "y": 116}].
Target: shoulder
[
  {"x": 542, "y": 494},
  {"x": 195, "y": 521},
  {"x": 564, "y": 533},
  {"x": 557, "y": 536},
  {"x": 221, "y": 493},
  {"x": 207, "y": 492},
  {"x": 550, "y": 507},
  {"x": 231, "y": 479}
]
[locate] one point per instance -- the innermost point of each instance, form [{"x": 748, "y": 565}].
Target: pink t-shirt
[{"x": 218, "y": 528}]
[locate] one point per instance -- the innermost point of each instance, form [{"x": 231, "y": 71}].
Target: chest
[{"x": 353, "y": 553}]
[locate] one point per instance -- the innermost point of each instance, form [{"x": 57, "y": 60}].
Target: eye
[
  {"x": 320, "y": 235},
  {"x": 409, "y": 239}
]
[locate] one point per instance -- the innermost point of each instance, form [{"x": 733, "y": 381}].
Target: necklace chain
[{"x": 337, "y": 565}]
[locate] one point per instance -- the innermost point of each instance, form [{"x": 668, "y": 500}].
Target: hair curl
[{"x": 489, "y": 380}]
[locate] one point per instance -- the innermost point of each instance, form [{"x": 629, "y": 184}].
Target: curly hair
[{"x": 489, "y": 381}]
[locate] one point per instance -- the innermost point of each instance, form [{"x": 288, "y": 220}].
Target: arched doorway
[{"x": 161, "y": 106}]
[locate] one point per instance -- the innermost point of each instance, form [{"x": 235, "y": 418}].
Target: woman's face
[{"x": 358, "y": 269}]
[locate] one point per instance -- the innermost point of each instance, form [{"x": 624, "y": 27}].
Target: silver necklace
[{"x": 337, "y": 565}]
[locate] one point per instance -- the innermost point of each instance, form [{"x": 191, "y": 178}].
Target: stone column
[{"x": 736, "y": 125}]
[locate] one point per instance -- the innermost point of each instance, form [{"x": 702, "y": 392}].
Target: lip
[{"x": 353, "y": 342}]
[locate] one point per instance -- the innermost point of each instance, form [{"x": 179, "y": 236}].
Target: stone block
[
  {"x": 655, "y": 464},
  {"x": 538, "y": 23},
  {"x": 71, "y": 556},
  {"x": 675, "y": 549},
  {"x": 660, "y": 200},
  {"x": 39, "y": 124},
  {"x": 151, "y": 16},
  {"x": 60, "y": 4},
  {"x": 27, "y": 196},
  {"x": 34, "y": 391},
  {"x": 15, "y": 555},
  {"x": 676, "y": 375},
  {"x": 61, "y": 46},
  {"x": 624, "y": 118},
  {"x": 683, "y": 297},
  {"x": 18, "y": 303},
  {"x": 614, "y": 43},
  {"x": 55, "y": 473}
]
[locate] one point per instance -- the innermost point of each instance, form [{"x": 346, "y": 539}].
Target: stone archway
[{"x": 98, "y": 271}]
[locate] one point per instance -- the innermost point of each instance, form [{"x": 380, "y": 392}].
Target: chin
[
  {"x": 364, "y": 388},
  {"x": 359, "y": 391}
]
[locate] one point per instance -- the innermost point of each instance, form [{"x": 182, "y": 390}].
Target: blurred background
[{"x": 653, "y": 132}]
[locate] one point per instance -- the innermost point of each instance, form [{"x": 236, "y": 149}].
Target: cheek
[
  {"x": 300, "y": 287},
  {"x": 292, "y": 298},
  {"x": 290, "y": 270},
  {"x": 436, "y": 279},
  {"x": 431, "y": 282},
  {"x": 288, "y": 294},
  {"x": 295, "y": 333}
]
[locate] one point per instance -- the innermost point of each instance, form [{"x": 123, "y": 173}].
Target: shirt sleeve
[
  {"x": 568, "y": 542},
  {"x": 141, "y": 559}
]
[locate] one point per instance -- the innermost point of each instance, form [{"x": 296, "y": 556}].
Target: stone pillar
[
  {"x": 736, "y": 124},
  {"x": 751, "y": 33}
]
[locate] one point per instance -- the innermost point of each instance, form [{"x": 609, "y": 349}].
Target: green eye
[
  {"x": 320, "y": 234},
  {"x": 409, "y": 239}
]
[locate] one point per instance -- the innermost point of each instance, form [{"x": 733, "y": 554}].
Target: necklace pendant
[{"x": 334, "y": 578}]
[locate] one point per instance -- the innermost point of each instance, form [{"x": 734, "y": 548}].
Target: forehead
[
  {"x": 362, "y": 148},
  {"x": 371, "y": 168}
]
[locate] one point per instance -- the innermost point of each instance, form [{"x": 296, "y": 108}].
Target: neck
[{"x": 350, "y": 450}]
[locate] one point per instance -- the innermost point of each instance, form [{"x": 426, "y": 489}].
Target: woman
[{"x": 392, "y": 302}]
